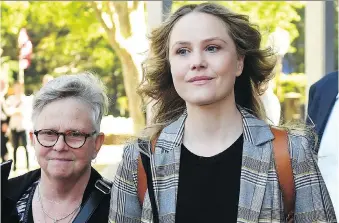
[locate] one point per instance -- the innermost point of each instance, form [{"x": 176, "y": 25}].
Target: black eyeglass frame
[{"x": 87, "y": 135}]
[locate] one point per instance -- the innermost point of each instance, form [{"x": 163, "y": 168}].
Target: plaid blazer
[{"x": 260, "y": 198}]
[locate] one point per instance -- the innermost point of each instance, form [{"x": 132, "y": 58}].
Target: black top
[
  {"x": 18, "y": 186},
  {"x": 209, "y": 186}
]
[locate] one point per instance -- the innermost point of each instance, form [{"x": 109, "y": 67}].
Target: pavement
[{"x": 106, "y": 162}]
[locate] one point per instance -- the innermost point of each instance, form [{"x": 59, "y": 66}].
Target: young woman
[{"x": 213, "y": 159}]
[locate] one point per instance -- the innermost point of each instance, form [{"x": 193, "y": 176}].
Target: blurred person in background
[
  {"x": 271, "y": 105},
  {"x": 15, "y": 107},
  {"x": 4, "y": 121},
  {"x": 209, "y": 150},
  {"x": 67, "y": 113},
  {"x": 323, "y": 115}
]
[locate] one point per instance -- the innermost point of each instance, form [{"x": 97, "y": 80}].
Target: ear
[
  {"x": 98, "y": 143},
  {"x": 240, "y": 65}
]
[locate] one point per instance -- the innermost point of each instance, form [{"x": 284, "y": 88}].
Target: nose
[
  {"x": 198, "y": 61},
  {"x": 60, "y": 144}
]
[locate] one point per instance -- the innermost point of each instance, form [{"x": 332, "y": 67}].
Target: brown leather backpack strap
[
  {"x": 142, "y": 181},
  {"x": 284, "y": 171},
  {"x": 142, "y": 178}
]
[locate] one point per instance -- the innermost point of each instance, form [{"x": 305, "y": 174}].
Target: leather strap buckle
[{"x": 103, "y": 186}]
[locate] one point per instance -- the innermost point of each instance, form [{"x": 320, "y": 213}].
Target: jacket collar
[
  {"x": 255, "y": 131},
  {"x": 23, "y": 182}
]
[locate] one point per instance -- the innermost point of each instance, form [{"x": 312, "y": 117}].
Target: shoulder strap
[
  {"x": 145, "y": 181},
  {"x": 284, "y": 171},
  {"x": 142, "y": 178},
  {"x": 103, "y": 188}
]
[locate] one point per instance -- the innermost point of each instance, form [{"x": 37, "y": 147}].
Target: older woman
[
  {"x": 212, "y": 158},
  {"x": 67, "y": 113}
]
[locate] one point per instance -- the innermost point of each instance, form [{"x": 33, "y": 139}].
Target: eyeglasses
[{"x": 74, "y": 139}]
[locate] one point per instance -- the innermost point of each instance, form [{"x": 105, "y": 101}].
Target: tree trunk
[
  {"x": 131, "y": 83},
  {"x": 129, "y": 69}
]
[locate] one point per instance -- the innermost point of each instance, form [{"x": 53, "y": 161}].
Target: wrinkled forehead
[
  {"x": 69, "y": 113},
  {"x": 198, "y": 26}
]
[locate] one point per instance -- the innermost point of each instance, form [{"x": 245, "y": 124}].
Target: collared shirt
[
  {"x": 328, "y": 155},
  {"x": 260, "y": 198}
]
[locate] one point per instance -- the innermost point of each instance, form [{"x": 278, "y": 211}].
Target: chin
[
  {"x": 201, "y": 102},
  {"x": 201, "y": 99},
  {"x": 58, "y": 174}
]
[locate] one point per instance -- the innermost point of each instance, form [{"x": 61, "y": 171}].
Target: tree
[
  {"x": 106, "y": 37},
  {"x": 12, "y": 15},
  {"x": 116, "y": 19},
  {"x": 66, "y": 39},
  {"x": 266, "y": 15}
]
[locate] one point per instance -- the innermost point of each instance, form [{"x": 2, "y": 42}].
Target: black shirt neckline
[{"x": 215, "y": 158}]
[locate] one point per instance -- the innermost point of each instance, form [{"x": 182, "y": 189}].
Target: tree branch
[
  {"x": 110, "y": 31},
  {"x": 135, "y": 5},
  {"x": 111, "y": 11},
  {"x": 123, "y": 15},
  {"x": 98, "y": 14}
]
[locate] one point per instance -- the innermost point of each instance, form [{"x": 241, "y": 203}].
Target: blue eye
[
  {"x": 212, "y": 49},
  {"x": 182, "y": 51}
]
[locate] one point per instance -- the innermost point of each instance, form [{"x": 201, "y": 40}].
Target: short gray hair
[{"x": 84, "y": 86}]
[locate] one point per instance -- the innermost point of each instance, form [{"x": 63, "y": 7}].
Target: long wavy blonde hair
[{"x": 157, "y": 82}]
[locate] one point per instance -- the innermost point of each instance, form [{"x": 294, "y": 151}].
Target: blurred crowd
[{"x": 16, "y": 110}]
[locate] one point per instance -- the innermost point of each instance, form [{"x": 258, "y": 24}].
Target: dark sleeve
[{"x": 310, "y": 105}]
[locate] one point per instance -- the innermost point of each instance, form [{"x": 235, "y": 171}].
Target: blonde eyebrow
[
  {"x": 205, "y": 41},
  {"x": 180, "y": 43},
  {"x": 214, "y": 38}
]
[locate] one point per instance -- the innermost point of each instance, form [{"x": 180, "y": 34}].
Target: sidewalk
[{"x": 106, "y": 162}]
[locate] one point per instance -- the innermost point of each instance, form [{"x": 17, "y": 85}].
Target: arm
[
  {"x": 312, "y": 198},
  {"x": 125, "y": 206}
]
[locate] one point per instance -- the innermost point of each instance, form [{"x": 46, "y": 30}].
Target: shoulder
[
  {"x": 131, "y": 150},
  {"x": 25, "y": 179},
  {"x": 303, "y": 142},
  {"x": 16, "y": 186},
  {"x": 328, "y": 79}
]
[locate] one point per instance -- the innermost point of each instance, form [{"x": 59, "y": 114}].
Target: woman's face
[
  {"x": 203, "y": 58},
  {"x": 61, "y": 161}
]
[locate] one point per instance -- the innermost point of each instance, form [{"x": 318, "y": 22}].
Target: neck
[
  {"x": 214, "y": 126},
  {"x": 64, "y": 190}
]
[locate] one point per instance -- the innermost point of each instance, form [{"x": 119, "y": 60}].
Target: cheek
[
  {"x": 41, "y": 152},
  {"x": 178, "y": 78},
  {"x": 85, "y": 154},
  {"x": 179, "y": 68}
]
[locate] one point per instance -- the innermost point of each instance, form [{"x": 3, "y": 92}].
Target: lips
[
  {"x": 61, "y": 159},
  {"x": 199, "y": 78}
]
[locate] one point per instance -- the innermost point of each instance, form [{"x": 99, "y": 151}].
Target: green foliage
[
  {"x": 67, "y": 38},
  {"x": 12, "y": 19},
  {"x": 8, "y": 67},
  {"x": 292, "y": 85},
  {"x": 297, "y": 58},
  {"x": 266, "y": 15}
]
